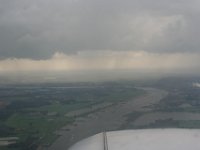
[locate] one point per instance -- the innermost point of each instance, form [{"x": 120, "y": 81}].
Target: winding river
[{"x": 108, "y": 119}]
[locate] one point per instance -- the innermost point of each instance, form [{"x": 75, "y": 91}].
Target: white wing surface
[{"x": 147, "y": 139}]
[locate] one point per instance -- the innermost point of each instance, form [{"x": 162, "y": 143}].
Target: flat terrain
[
  {"x": 150, "y": 118},
  {"x": 55, "y": 116},
  {"x": 37, "y": 114},
  {"x": 110, "y": 118}
]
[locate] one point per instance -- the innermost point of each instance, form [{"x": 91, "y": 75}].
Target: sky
[{"x": 155, "y": 36}]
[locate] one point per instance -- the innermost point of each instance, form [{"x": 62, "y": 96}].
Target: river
[{"x": 108, "y": 119}]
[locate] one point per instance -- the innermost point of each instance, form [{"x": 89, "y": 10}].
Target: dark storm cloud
[{"x": 37, "y": 29}]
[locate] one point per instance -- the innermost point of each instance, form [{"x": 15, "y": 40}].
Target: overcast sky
[{"x": 99, "y": 34}]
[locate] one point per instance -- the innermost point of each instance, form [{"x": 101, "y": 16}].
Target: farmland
[{"x": 34, "y": 113}]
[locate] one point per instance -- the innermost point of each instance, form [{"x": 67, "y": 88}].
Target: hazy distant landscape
[
  {"x": 33, "y": 113},
  {"x": 54, "y": 116},
  {"x": 70, "y": 69}
]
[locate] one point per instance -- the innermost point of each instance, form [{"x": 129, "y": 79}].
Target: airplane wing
[{"x": 146, "y": 139}]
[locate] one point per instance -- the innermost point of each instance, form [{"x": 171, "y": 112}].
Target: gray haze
[
  {"x": 36, "y": 29},
  {"x": 113, "y": 34}
]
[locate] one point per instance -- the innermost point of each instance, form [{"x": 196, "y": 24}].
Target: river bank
[{"x": 108, "y": 119}]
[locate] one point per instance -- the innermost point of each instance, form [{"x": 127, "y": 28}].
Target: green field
[{"x": 37, "y": 125}]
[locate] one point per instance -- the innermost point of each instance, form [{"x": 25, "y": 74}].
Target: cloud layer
[
  {"x": 107, "y": 60},
  {"x": 37, "y": 29},
  {"x": 63, "y": 36}
]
